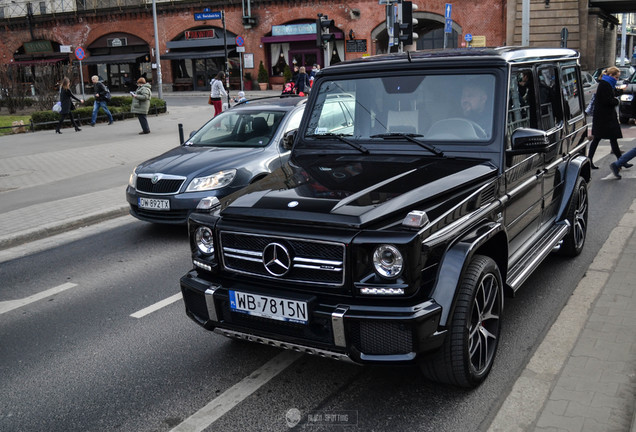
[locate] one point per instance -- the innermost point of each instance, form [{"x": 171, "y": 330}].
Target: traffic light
[
  {"x": 322, "y": 30},
  {"x": 249, "y": 22},
  {"x": 407, "y": 23}
]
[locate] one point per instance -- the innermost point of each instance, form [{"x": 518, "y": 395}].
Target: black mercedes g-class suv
[{"x": 421, "y": 187}]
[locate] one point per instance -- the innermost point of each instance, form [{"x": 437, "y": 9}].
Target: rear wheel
[
  {"x": 468, "y": 352},
  {"x": 574, "y": 241}
]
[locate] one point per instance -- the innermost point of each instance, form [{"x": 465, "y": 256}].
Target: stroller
[{"x": 289, "y": 89}]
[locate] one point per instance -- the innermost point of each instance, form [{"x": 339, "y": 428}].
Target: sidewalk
[{"x": 581, "y": 378}]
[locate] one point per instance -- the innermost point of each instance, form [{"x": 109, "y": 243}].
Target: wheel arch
[
  {"x": 488, "y": 239},
  {"x": 580, "y": 166}
]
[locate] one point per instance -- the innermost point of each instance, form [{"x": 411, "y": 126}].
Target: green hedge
[{"x": 119, "y": 106}]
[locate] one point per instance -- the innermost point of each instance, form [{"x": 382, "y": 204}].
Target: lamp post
[{"x": 157, "y": 54}]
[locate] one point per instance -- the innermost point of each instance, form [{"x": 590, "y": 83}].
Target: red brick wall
[{"x": 483, "y": 17}]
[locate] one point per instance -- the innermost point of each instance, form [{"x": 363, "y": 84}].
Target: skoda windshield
[
  {"x": 443, "y": 107},
  {"x": 239, "y": 128}
]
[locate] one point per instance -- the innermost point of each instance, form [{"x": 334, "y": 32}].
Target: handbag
[
  {"x": 57, "y": 107},
  {"x": 210, "y": 100}
]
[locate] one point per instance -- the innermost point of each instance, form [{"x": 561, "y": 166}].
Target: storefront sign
[
  {"x": 39, "y": 46},
  {"x": 199, "y": 34},
  {"x": 356, "y": 45},
  {"x": 294, "y": 29},
  {"x": 248, "y": 60},
  {"x": 478, "y": 41}
]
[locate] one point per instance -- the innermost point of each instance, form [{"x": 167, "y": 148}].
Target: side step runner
[{"x": 535, "y": 256}]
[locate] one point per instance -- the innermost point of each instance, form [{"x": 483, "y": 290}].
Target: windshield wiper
[
  {"x": 359, "y": 147},
  {"x": 411, "y": 137}
]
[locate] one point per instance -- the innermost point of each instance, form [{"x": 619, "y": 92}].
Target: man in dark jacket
[{"x": 100, "y": 100}]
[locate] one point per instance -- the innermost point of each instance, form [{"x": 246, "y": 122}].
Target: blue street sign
[
  {"x": 448, "y": 10},
  {"x": 448, "y": 28},
  {"x": 202, "y": 16},
  {"x": 79, "y": 53},
  {"x": 240, "y": 41},
  {"x": 468, "y": 37}
]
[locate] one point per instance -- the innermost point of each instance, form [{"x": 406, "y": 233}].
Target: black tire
[
  {"x": 574, "y": 241},
  {"x": 469, "y": 349}
]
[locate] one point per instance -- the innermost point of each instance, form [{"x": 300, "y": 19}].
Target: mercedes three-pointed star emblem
[{"x": 276, "y": 259}]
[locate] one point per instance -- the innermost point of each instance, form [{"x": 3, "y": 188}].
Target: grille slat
[{"x": 312, "y": 261}]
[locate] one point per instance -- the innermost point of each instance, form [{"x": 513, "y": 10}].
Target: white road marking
[
  {"x": 9, "y": 305},
  {"x": 237, "y": 393},
  {"x": 155, "y": 307}
]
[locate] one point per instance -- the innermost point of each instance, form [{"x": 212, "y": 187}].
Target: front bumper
[{"x": 343, "y": 331}]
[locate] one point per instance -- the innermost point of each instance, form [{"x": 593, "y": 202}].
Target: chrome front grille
[
  {"x": 284, "y": 258},
  {"x": 159, "y": 183}
]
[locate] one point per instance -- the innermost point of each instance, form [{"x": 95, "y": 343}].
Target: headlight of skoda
[
  {"x": 215, "y": 181},
  {"x": 132, "y": 180},
  {"x": 627, "y": 97},
  {"x": 388, "y": 261},
  {"x": 204, "y": 240}
]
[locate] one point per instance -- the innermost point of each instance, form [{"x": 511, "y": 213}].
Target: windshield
[
  {"x": 444, "y": 107},
  {"x": 238, "y": 129}
]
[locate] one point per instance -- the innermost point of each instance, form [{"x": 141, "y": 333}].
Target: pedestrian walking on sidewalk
[
  {"x": 217, "y": 92},
  {"x": 141, "y": 104},
  {"x": 66, "y": 101},
  {"x": 100, "y": 91},
  {"x": 605, "y": 123}
]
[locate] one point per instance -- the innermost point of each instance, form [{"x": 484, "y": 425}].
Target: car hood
[
  {"x": 355, "y": 191},
  {"x": 190, "y": 161}
]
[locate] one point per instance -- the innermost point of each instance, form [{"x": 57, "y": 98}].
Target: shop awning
[
  {"x": 201, "y": 43},
  {"x": 182, "y": 55},
  {"x": 295, "y": 38},
  {"x": 114, "y": 58},
  {"x": 37, "y": 61}
]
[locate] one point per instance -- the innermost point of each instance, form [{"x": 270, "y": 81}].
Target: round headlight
[
  {"x": 388, "y": 261},
  {"x": 204, "y": 240}
]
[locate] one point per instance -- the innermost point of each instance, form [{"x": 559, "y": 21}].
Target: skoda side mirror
[{"x": 288, "y": 139}]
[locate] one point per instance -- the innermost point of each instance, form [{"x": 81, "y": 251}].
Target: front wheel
[
  {"x": 574, "y": 240},
  {"x": 468, "y": 351}
]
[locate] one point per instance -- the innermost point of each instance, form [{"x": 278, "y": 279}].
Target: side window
[
  {"x": 550, "y": 108},
  {"x": 570, "y": 85},
  {"x": 521, "y": 101}
]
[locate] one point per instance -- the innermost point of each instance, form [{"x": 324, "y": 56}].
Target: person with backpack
[{"x": 102, "y": 96}]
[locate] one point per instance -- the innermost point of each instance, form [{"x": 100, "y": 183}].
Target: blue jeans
[
  {"x": 96, "y": 106},
  {"x": 627, "y": 156}
]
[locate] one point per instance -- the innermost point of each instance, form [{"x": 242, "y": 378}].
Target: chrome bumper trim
[
  {"x": 209, "y": 301},
  {"x": 284, "y": 345},
  {"x": 337, "y": 325}
]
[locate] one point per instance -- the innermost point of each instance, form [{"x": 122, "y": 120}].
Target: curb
[{"x": 44, "y": 231}]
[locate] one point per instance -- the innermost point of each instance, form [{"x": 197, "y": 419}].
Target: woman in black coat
[
  {"x": 604, "y": 119},
  {"x": 302, "y": 82},
  {"x": 67, "y": 105}
]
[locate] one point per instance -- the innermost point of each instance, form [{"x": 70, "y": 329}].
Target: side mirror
[
  {"x": 528, "y": 141},
  {"x": 289, "y": 138}
]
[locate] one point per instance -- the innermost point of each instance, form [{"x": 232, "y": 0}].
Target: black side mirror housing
[
  {"x": 289, "y": 138},
  {"x": 528, "y": 141}
]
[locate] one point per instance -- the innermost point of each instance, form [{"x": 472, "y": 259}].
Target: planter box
[{"x": 263, "y": 86}]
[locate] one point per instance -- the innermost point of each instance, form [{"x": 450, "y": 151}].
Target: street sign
[
  {"x": 468, "y": 37},
  {"x": 447, "y": 10},
  {"x": 79, "y": 53},
  {"x": 240, "y": 49},
  {"x": 240, "y": 41},
  {"x": 202, "y": 16},
  {"x": 448, "y": 28}
]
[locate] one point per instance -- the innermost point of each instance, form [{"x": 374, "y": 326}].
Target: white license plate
[
  {"x": 269, "y": 307},
  {"x": 154, "y": 203}
]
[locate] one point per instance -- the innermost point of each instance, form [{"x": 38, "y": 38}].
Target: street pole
[
  {"x": 82, "y": 80},
  {"x": 525, "y": 23},
  {"x": 157, "y": 54},
  {"x": 227, "y": 63}
]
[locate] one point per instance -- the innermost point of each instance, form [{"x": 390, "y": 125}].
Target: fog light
[
  {"x": 204, "y": 239},
  {"x": 388, "y": 261},
  {"x": 208, "y": 203}
]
